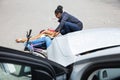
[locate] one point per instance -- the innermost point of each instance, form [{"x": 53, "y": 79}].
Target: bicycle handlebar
[{"x": 28, "y": 35}]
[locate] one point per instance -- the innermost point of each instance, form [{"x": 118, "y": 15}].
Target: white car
[{"x": 91, "y": 54}]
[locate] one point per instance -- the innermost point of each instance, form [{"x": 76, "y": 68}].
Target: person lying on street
[{"x": 43, "y": 39}]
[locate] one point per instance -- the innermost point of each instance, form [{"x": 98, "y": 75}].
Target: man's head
[{"x": 59, "y": 11}]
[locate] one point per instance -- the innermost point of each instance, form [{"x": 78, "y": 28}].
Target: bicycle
[{"x": 35, "y": 50}]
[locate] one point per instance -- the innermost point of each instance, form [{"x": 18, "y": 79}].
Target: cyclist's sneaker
[{"x": 30, "y": 47}]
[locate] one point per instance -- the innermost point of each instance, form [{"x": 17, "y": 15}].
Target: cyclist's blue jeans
[
  {"x": 70, "y": 27},
  {"x": 39, "y": 42}
]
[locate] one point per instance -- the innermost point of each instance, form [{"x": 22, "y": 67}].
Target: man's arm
[{"x": 64, "y": 19}]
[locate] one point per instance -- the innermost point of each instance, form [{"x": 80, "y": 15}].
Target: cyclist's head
[{"x": 42, "y": 31}]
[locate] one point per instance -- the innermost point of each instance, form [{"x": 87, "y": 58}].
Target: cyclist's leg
[
  {"x": 48, "y": 41},
  {"x": 41, "y": 41},
  {"x": 37, "y": 42}
]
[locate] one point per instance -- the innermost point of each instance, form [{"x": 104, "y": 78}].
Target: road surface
[{"x": 17, "y": 16}]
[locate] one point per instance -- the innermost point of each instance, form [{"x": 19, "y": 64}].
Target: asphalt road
[{"x": 18, "y": 16}]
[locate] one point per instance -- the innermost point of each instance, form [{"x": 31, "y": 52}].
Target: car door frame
[
  {"x": 8, "y": 55},
  {"x": 108, "y": 61}
]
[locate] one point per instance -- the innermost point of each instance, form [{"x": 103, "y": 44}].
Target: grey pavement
[{"x": 18, "y": 16}]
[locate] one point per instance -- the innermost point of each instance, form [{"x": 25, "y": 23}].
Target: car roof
[{"x": 72, "y": 44}]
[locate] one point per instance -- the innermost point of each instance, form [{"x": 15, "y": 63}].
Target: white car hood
[{"x": 64, "y": 49}]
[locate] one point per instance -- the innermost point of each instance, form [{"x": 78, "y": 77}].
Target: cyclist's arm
[{"x": 22, "y": 40}]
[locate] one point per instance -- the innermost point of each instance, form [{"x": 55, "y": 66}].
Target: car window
[
  {"x": 105, "y": 74},
  {"x": 14, "y": 72}
]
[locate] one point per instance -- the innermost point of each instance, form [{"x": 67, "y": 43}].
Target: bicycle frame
[{"x": 39, "y": 51}]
